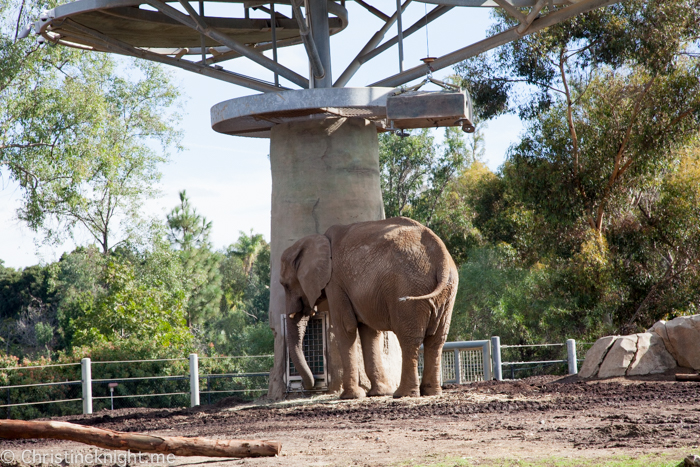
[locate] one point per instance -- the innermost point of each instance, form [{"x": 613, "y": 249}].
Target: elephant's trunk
[{"x": 296, "y": 328}]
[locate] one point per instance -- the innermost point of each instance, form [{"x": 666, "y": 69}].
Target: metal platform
[{"x": 254, "y": 116}]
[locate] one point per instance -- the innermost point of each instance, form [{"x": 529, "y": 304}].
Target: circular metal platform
[{"x": 255, "y": 115}]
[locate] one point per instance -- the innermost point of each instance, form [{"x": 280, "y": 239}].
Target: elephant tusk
[{"x": 291, "y": 315}]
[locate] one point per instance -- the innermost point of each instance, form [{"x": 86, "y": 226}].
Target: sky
[{"x": 227, "y": 178}]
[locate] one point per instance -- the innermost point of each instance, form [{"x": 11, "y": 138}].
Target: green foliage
[
  {"x": 77, "y": 136},
  {"x": 590, "y": 226},
  {"x": 189, "y": 232},
  {"x": 132, "y": 308},
  {"x": 419, "y": 177}
]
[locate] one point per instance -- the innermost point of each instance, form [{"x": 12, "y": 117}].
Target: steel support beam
[
  {"x": 373, "y": 42},
  {"x": 320, "y": 35},
  {"x": 494, "y": 41},
  {"x": 432, "y": 15},
  {"x": 117, "y": 46},
  {"x": 376, "y": 12},
  {"x": 315, "y": 61},
  {"x": 194, "y": 21}
]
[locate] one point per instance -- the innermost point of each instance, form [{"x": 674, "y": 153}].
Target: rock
[
  {"x": 684, "y": 340},
  {"x": 619, "y": 357},
  {"x": 594, "y": 357},
  {"x": 692, "y": 461},
  {"x": 651, "y": 357}
]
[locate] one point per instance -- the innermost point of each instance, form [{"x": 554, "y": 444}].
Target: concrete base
[{"x": 324, "y": 172}]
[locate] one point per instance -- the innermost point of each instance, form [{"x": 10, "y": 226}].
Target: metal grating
[
  {"x": 471, "y": 363},
  {"x": 312, "y": 347}
]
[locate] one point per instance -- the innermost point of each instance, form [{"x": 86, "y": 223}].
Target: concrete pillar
[{"x": 324, "y": 172}]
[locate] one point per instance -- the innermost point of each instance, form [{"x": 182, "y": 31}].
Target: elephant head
[{"x": 305, "y": 272}]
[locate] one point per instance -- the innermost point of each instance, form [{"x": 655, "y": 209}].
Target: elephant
[{"x": 387, "y": 275}]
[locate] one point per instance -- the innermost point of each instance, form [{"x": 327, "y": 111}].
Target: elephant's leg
[
  {"x": 409, "y": 322},
  {"x": 432, "y": 355},
  {"x": 409, "y": 367},
  {"x": 372, "y": 353},
  {"x": 345, "y": 327}
]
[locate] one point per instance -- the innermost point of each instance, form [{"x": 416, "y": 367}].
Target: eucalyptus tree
[
  {"x": 607, "y": 96},
  {"x": 81, "y": 133}
]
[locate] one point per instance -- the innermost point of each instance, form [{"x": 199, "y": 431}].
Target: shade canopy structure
[
  {"x": 180, "y": 33},
  {"x": 324, "y": 150}
]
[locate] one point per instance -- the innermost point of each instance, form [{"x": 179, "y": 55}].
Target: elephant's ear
[{"x": 313, "y": 265}]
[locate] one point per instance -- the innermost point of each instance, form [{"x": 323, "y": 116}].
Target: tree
[
  {"x": 419, "y": 178},
  {"x": 189, "y": 231},
  {"x": 611, "y": 104},
  {"x": 612, "y": 93},
  {"x": 247, "y": 248},
  {"x": 77, "y": 136}
]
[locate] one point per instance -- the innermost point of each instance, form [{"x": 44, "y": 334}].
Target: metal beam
[
  {"x": 494, "y": 41},
  {"x": 434, "y": 14},
  {"x": 511, "y": 10},
  {"x": 399, "y": 25},
  {"x": 373, "y": 42},
  {"x": 531, "y": 16},
  {"x": 317, "y": 14},
  {"x": 231, "y": 54},
  {"x": 194, "y": 21},
  {"x": 273, "y": 26},
  {"x": 309, "y": 45},
  {"x": 123, "y": 48},
  {"x": 373, "y": 10}
]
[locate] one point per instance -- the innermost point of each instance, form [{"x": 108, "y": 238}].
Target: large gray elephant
[{"x": 389, "y": 275}]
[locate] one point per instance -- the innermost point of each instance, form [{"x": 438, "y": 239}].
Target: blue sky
[{"x": 228, "y": 178}]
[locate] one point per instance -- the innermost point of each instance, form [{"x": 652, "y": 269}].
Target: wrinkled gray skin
[{"x": 389, "y": 275}]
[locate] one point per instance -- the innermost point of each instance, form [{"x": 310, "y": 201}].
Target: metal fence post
[
  {"x": 86, "y": 378},
  {"x": 487, "y": 360},
  {"x": 458, "y": 368},
  {"x": 194, "y": 380},
  {"x": 496, "y": 353},
  {"x": 571, "y": 356}
]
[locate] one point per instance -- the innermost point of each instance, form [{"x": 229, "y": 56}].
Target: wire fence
[
  {"x": 28, "y": 392},
  {"x": 57, "y": 390}
]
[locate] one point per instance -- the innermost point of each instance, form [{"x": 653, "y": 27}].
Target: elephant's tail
[{"x": 444, "y": 282}]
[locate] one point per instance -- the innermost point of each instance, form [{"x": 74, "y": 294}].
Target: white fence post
[
  {"x": 571, "y": 356},
  {"x": 86, "y": 377},
  {"x": 194, "y": 380},
  {"x": 496, "y": 353}
]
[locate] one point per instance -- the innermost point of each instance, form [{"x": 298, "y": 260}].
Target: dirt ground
[{"x": 529, "y": 419}]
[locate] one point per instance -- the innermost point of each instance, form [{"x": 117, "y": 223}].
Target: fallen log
[
  {"x": 686, "y": 377},
  {"x": 138, "y": 442}
]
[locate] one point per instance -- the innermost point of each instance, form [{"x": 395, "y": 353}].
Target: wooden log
[
  {"x": 686, "y": 377},
  {"x": 138, "y": 442}
]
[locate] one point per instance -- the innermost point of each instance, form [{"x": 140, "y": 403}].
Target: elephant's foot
[
  {"x": 430, "y": 390},
  {"x": 401, "y": 392},
  {"x": 353, "y": 393},
  {"x": 380, "y": 389}
]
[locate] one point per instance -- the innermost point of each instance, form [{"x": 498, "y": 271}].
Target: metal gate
[
  {"x": 464, "y": 361},
  {"x": 314, "y": 347}
]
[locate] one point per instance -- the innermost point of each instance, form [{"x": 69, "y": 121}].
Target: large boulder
[
  {"x": 619, "y": 357},
  {"x": 652, "y": 356},
  {"x": 595, "y": 355},
  {"x": 683, "y": 334},
  {"x": 633, "y": 355}
]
